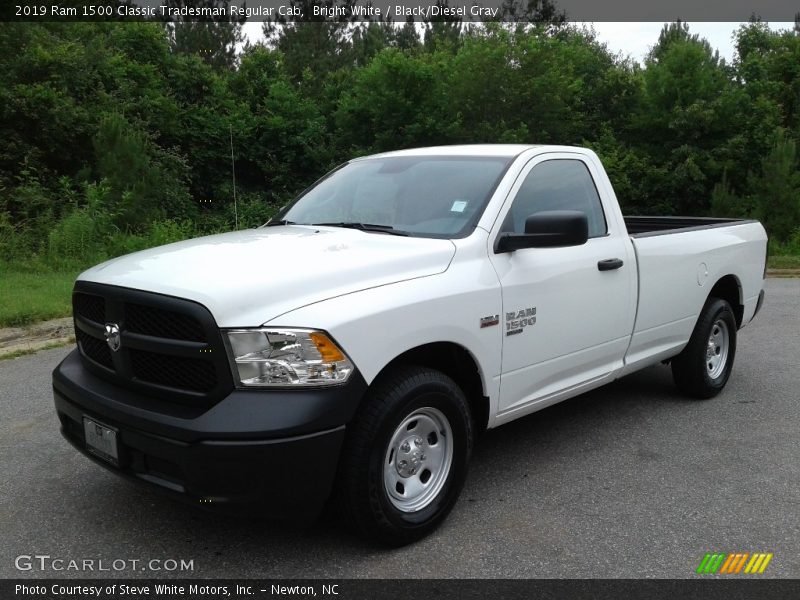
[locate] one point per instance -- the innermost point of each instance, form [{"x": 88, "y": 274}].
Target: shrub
[
  {"x": 167, "y": 232},
  {"x": 791, "y": 247},
  {"x": 75, "y": 237},
  {"x": 16, "y": 242},
  {"x": 157, "y": 234},
  {"x": 82, "y": 235},
  {"x": 146, "y": 182},
  {"x": 253, "y": 210}
]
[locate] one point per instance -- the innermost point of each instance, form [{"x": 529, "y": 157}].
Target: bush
[
  {"x": 75, "y": 237},
  {"x": 253, "y": 210},
  {"x": 15, "y": 242},
  {"x": 146, "y": 182},
  {"x": 26, "y": 215},
  {"x": 157, "y": 234},
  {"x": 168, "y": 231},
  {"x": 791, "y": 247},
  {"x": 82, "y": 235}
]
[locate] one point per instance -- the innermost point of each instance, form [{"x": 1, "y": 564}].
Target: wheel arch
[
  {"x": 729, "y": 288},
  {"x": 456, "y": 362}
]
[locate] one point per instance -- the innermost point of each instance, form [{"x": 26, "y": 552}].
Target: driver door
[{"x": 566, "y": 323}]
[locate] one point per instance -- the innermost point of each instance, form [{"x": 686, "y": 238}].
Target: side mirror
[{"x": 548, "y": 229}]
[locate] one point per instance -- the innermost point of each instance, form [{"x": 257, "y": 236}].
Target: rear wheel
[
  {"x": 704, "y": 366},
  {"x": 405, "y": 456}
]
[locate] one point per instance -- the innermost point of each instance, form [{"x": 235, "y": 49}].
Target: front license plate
[{"x": 101, "y": 440}]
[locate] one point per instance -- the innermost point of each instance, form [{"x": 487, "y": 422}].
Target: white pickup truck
[{"x": 354, "y": 346}]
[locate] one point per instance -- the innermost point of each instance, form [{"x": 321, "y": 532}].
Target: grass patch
[
  {"x": 27, "y": 351},
  {"x": 784, "y": 262},
  {"x": 31, "y": 296}
]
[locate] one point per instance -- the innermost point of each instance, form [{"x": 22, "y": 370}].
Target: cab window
[{"x": 560, "y": 184}]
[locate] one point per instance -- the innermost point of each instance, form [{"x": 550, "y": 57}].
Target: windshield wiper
[
  {"x": 281, "y": 222},
  {"x": 364, "y": 227}
]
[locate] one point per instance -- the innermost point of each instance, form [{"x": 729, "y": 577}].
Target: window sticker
[{"x": 459, "y": 206}]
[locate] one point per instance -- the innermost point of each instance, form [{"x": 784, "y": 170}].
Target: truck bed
[
  {"x": 677, "y": 273},
  {"x": 649, "y": 226}
]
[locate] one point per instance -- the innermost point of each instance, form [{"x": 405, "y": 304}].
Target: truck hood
[{"x": 246, "y": 278}]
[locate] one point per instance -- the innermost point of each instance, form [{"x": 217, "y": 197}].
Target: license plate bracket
[{"x": 101, "y": 440}]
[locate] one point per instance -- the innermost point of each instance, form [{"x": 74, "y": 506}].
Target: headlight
[{"x": 286, "y": 357}]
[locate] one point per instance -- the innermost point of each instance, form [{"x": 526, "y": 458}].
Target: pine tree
[{"x": 213, "y": 40}]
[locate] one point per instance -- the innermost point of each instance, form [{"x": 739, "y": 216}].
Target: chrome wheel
[
  {"x": 418, "y": 459},
  {"x": 717, "y": 349}
]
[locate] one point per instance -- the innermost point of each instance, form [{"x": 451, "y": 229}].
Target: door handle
[{"x": 609, "y": 264}]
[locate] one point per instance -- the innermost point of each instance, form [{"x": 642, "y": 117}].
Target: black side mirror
[{"x": 548, "y": 229}]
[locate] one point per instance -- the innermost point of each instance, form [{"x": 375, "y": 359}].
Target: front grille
[
  {"x": 162, "y": 323},
  {"x": 96, "y": 350},
  {"x": 90, "y": 306},
  {"x": 173, "y": 371},
  {"x": 164, "y": 342}
]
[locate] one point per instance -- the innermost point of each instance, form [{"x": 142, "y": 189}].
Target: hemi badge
[{"x": 490, "y": 321}]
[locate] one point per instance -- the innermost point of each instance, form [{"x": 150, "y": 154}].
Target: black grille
[
  {"x": 173, "y": 371},
  {"x": 96, "y": 350},
  {"x": 164, "y": 342},
  {"x": 162, "y": 323},
  {"x": 90, "y": 307}
]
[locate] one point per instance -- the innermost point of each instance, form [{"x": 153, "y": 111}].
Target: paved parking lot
[{"x": 630, "y": 480}]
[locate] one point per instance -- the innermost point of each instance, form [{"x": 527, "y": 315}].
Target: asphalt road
[{"x": 630, "y": 480}]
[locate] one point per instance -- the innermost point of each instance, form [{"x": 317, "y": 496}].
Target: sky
[
  {"x": 631, "y": 39},
  {"x": 635, "y": 39}
]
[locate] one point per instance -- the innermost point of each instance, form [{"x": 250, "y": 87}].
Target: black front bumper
[{"x": 276, "y": 449}]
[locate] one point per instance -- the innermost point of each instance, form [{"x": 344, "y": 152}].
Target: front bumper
[{"x": 278, "y": 449}]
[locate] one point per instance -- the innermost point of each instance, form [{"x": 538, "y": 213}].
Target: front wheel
[
  {"x": 704, "y": 366},
  {"x": 405, "y": 456}
]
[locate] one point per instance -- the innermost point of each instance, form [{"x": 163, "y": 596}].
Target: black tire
[
  {"x": 692, "y": 369},
  {"x": 361, "y": 492}
]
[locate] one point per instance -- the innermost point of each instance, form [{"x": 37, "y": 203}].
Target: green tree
[
  {"x": 689, "y": 111},
  {"x": 777, "y": 190},
  {"x": 145, "y": 182},
  {"x": 314, "y": 44},
  {"x": 213, "y": 39},
  {"x": 768, "y": 64},
  {"x": 139, "y": 117},
  {"x": 396, "y": 101}
]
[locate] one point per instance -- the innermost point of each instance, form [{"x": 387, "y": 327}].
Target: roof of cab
[{"x": 507, "y": 150}]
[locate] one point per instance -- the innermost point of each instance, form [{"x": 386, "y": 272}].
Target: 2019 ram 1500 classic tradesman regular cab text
[{"x": 354, "y": 346}]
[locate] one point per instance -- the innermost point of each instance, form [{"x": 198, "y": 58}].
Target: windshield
[{"x": 428, "y": 196}]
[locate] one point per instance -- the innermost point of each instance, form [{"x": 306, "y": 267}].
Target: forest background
[{"x": 122, "y": 136}]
